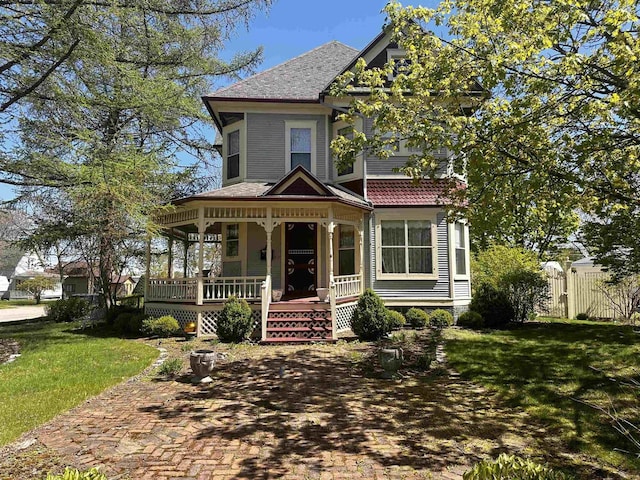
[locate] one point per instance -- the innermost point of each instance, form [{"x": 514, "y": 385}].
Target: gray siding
[
  {"x": 378, "y": 166},
  {"x": 266, "y": 145},
  {"x": 232, "y": 269},
  {"x": 461, "y": 288},
  {"x": 422, "y": 289},
  {"x": 256, "y": 241}
]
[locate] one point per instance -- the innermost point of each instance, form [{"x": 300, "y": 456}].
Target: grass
[
  {"x": 18, "y": 303},
  {"x": 59, "y": 369},
  {"x": 554, "y": 371}
]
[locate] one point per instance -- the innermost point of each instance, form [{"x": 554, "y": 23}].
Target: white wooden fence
[{"x": 573, "y": 292}]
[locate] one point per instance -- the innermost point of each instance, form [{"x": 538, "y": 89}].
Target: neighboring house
[
  {"x": 28, "y": 267},
  {"x": 80, "y": 279},
  {"x": 292, "y": 224}
]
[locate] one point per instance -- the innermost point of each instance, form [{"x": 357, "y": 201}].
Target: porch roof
[{"x": 259, "y": 191}]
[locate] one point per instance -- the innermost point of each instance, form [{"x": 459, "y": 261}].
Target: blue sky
[{"x": 292, "y": 27}]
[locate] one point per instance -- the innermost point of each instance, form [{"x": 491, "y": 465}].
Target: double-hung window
[
  {"x": 346, "y": 132},
  {"x": 232, "y": 239},
  {"x": 346, "y": 251},
  {"x": 300, "y": 144},
  {"x": 233, "y": 154},
  {"x": 406, "y": 248},
  {"x": 460, "y": 248}
]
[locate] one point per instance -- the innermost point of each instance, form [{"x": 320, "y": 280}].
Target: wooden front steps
[{"x": 299, "y": 321}]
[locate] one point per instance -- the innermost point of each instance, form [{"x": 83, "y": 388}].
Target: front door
[{"x": 301, "y": 259}]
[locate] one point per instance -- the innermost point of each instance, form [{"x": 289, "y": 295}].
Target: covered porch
[{"x": 315, "y": 241}]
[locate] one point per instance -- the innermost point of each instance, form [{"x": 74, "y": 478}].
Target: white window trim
[
  {"x": 240, "y": 126},
  {"x": 430, "y": 215},
  {"x": 358, "y": 169},
  {"x": 313, "y": 125},
  {"x": 242, "y": 246},
  {"x": 452, "y": 250},
  {"x": 394, "y": 54}
]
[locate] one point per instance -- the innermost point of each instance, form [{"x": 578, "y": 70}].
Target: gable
[{"x": 299, "y": 182}]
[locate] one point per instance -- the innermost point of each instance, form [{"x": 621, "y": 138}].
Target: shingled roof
[
  {"x": 301, "y": 78},
  {"x": 406, "y": 193}
]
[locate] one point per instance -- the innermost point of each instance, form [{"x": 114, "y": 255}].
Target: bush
[
  {"x": 235, "y": 323},
  {"x": 509, "y": 467},
  {"x": 417, "y": 317},
  {"x": 526, "y": 290},
  {"x": 395, "y": 319},
  {"x": 492, "y": 265},
  {"x": 440, "y": 318},
  {"x": 73, "y": 474},
  {"x": 369, "y": 321},
  {"x": 170, "y": 367},
  {"x": 493, "y": 305},
  {"x": 68, "y": 310},
  {"x": 162, "y": 327},
  {"x": 128, "y": 322},
  {"x": 471, "y": 319},
  {"x": 582, "y": 316}
]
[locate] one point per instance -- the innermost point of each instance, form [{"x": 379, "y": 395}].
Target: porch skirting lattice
[
  {"x": 205, "y": 316},
  {"x": 344, "y": 314}
]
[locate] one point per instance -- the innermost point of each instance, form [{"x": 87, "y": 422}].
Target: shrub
[
  {"x": 128, "y": 322},
  {"x": 395, "y": 319},
  {"x": 37, "y": 285},
  {"x": 582, "y": 316},
  {"x": 68, "y": 310},
  {"x": 471, "y": 319},
  {"x": 440, "y": 318},
  {"x": 369, "y": 321},
  {"x": 162, "y": 327},
  {"x": 510, "y": 467},
  {"x": 526, "y": 290},
  {"x": 417, "y": 317},
  {"x": 493, "y": 305},
  {"x": 235, "y": 323},
  {"x": 73, "y": 474},
  {"x": 170, "y": 367},
  {"x": 492, "y": 265}
]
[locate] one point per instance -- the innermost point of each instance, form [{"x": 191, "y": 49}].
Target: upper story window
[
  {"x": 406, "y": 248},
  {"x": 401, "y": 64},
  {"x": 300, "y": 144},
  {"x": 233, "y": 154}
]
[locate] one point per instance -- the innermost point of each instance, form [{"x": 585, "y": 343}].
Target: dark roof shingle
[
  {"x": 301, "y": 78},
  {"x": 399, "y": 193}
]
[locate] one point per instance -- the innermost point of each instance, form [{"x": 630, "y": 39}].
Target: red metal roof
[{"x": 399, "y": 193}]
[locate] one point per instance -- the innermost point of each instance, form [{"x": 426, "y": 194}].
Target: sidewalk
[{"x": 21, "y": 313}]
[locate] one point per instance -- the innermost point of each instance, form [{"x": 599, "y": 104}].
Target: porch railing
[
  {"x": 347, "y": 286},
  {"x": 266, "y": 300},
  {"x": 221, "y": 288},
  {"x": 173, "y": 289}
]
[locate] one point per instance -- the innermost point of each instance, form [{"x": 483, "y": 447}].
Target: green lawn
[
  {"x": 59, "y": 369},
  {"x": 15, "y": 303},
  {"x": 549, "y": 369}
]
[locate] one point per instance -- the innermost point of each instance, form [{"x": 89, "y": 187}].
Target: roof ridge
[{"x": 281, "y": 64}]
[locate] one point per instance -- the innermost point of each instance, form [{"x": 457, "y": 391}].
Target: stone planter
[
  {"x": 323, "y": 294},
  {"x": 202, "y": 363},
  {"x": 390, "y": 360},
  {"x": 276, "y": 295}
]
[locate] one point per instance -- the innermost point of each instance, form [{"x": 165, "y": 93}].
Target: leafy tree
[
  {"x": 538, "y": 101},
  {"x": 116, "y": 128},
  {"x": 37, "y": 285},
  {"x": 496, "y": 264}
]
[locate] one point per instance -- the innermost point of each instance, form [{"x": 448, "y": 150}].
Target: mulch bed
[{"x": 8, "y": 347}]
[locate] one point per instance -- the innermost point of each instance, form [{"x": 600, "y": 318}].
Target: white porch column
[
  {"x": 268, "y": 228},
  {"x": 361, "y": 254},
  {"x": 332, "y": 288},
  {"x": 147, "y": 271},
  {"x": 170, "y": 259},
  {"x": 201, "y": 229}
]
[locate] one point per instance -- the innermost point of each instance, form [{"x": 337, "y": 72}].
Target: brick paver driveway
[{"x": 304, "y": 412}]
